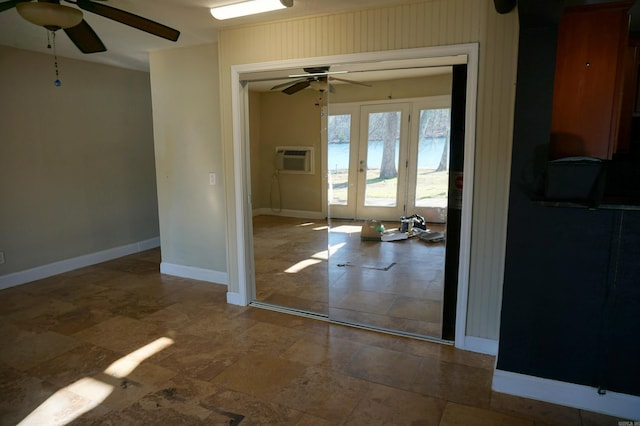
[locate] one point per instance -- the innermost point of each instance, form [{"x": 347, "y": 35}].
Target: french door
[
  {"x": 374, "y": 184},
  {"x": 383, "y": 163}
]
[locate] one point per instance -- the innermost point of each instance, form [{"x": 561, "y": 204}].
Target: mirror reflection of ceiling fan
[
  {"x": 54, "y": 16},
  {"x": 318, "y": 78}
]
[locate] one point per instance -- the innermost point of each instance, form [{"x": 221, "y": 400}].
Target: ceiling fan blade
[
  {"x": 350, "y": 81},
  {"x": 85, "y": 39},
  {"x": 129, "y": 19},
  {"x": 9, "y": 4},
  {"x": 281, "y": 85},
  {"x": 296, "y": 87}
]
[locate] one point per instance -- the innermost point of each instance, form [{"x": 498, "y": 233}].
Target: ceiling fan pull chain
[{"x": 57, "y": 82}]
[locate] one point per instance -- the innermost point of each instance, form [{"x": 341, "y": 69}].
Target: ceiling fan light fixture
[
  {"x": 52, "y": 16},
  {"x": 320, "y": 85},
  {"x": 250, "y": 7}
]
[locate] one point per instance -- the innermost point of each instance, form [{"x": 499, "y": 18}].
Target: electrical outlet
[
  {"x": 212, "y": 178},
  {"x": 1, "y": 258}
]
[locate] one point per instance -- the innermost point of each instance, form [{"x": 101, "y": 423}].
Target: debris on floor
[
  {"x": 425, "y": 235},
  {"x": 431, "y": 236},
  {"x": 379, "y": 267},
  {"x": 394, "y": 235}
]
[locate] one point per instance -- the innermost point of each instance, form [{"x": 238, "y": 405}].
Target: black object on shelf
[{"x": 576, "y": 179}]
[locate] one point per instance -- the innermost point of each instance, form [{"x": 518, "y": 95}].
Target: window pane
[
  {"x": 339, "y": 135},
  {"x": 433, "y": 158},
  {"x": 383, "y": 144}
]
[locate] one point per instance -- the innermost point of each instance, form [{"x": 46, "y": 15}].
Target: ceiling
[{"x": 128, "y": 47}]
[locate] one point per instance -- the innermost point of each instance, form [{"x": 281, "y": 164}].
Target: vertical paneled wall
[
  {"x": 415, "y": 24},
  {"x": 494, "y": 133},
  {"x": 411, "y": 25}
]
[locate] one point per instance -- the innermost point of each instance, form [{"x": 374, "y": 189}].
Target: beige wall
[
  {"x": 186, "y": 127},
  {"x": 286, "y": 121},
  {"x": 76, "y": 161},
  {"x": 393, "y": 89},
  {"x": 416, "y": 24}
]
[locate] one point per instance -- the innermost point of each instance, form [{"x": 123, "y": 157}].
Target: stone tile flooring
[
  {"x": 292, "y": 270},
  {"x": 120, "y": 344}
]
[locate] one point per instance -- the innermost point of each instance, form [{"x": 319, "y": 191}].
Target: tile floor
[
  {"x": 120, "y": 344},
  {"x": 354, "y": 284}
]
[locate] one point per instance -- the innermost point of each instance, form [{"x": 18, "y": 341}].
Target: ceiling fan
[
  {"x": 54, "y": 16},
  {"x": 317, "y": 78}
]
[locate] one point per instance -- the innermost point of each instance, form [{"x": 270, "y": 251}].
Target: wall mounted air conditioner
[{"x": 294, "y": 159}]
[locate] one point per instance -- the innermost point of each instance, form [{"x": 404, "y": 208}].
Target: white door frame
[{"x": 241, "y": 170}]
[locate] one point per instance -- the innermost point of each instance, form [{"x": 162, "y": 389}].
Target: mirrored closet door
[{"x": 331, "y": 152}]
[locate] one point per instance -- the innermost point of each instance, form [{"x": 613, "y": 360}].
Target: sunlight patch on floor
[
  {"x": 125, "y": 365},
  {"x": 302, "y": 265},
  {"x": 67, "y": 404},
  {"x": 305, "y": 224},
  {"x": 82, "y": 396},
  {"x": 347, "y": 229}
]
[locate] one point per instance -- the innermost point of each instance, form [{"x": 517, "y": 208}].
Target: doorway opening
[{"x": 320, "y": 219}]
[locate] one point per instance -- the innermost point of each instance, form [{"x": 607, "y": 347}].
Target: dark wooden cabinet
[
  {"x": 623, "y": 145},
  {"x": 591, "y": 55}
]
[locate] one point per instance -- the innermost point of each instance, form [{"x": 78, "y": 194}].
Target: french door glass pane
[
  {"x": 383, "y": 146},
  {"x": 433, "y": 158},
  {"x": 339, "y": 138}
]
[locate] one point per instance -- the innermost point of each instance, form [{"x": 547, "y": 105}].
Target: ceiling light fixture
[
  {"x": 250, "y": 7},
  {"x": 52, "y": 16},
  {"x": 319, "y": 85}
]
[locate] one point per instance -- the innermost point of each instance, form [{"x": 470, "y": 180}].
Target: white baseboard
[
  {"x": 577, "y": 396},
  {"x": 235, "y": 299},
  {"x": 148, "y": 244},
  {"x": 303, "y": 214},
  {"x": 194, "y": 273},
  {"x": 479, "y": 344},
  {"x": 67, "y": 265}
]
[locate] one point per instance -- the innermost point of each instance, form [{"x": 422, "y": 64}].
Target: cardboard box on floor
[{"x": 371, "y": 230}]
